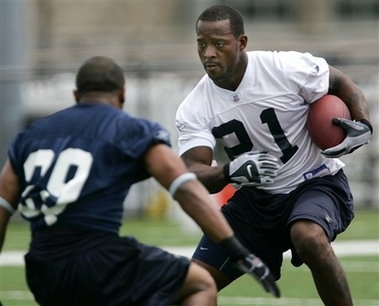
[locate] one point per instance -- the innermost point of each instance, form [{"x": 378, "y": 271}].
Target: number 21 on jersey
[{"x": 237, "y": 127}]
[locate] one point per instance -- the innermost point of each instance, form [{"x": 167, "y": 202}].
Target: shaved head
[{"x": 99, "y": 73}]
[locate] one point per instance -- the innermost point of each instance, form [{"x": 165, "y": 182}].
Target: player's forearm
[
  {"x": 4, "y": 219},
  {"x": 196, "y": 202},
  {"x": 211, "y": 177},
  {"x": 343, "y": 87},
  {"x": 356, "y": 102}
]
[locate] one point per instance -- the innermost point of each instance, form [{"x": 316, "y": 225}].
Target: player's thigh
[
  {"x": 317, "y": 217},
  {"x": 198, "y": 279},
  {"x": 321, "y": 207}
]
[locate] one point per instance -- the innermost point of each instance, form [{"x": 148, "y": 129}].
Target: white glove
[
  {"x": 252, "y": 169},
  {"x": 358, "y": 133}
]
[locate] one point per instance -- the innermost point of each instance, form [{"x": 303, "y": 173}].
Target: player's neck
[
  {"x": 233, "y": 79},
  {"x": 101, "y": 98}
]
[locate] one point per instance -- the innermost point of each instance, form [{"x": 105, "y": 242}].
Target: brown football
[{"x": 322, "y": 131}]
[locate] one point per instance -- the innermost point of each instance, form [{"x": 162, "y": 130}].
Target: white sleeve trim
[
  {"x": 4, "y": 203},
  {"x": 180, "y": 180}
]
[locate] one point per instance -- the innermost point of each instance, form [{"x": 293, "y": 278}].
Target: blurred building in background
[{"x": 44, "y": 42}]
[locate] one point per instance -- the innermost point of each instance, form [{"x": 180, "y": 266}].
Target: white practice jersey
[{"x": 268, "y": 111}]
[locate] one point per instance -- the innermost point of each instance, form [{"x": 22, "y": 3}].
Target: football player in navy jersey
[
  {"x": 68, "y": 175},
  {"x": 255, "y": 104}
]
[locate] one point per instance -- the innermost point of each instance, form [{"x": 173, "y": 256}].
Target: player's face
[{"x": 220, "y": 52}]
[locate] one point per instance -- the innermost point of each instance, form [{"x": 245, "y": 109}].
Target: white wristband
[
  {"x": 4, "y": 203},
  {"x": 180, "y": 180}
]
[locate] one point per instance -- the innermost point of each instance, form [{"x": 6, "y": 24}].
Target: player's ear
[
  {"x": 76, "y": 95},
  {"x": 121, "y": 95},
  {"x": 242, "y": 42}
]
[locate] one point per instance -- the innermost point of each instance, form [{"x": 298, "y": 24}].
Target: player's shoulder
[
  {"x": 200, "y": 88},
  {"x": 41, "y": 124},
  {"x": 260, "y": 55},
  {"x": 195, "y": 98},
  {"x": 285, "y": 62},
  {"x": 143, "y": 126},
  {"x": 267, "y": 60}
]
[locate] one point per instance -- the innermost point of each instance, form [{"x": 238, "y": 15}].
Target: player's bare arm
[
  {"x": 342, "y": 86},
  {"x": 9, "y": 192},
  {"x": 199, "y": 161},
  {"x": 166, "y": 166}
]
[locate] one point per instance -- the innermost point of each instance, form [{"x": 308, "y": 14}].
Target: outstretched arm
[
  {"x": 165, "y": 166},
  {"x": 169, "y": 170}
]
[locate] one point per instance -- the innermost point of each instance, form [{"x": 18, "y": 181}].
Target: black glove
[
  {"x": 252, "y": 169},
  {"x": 250, "y": 264},
  {"x": 358, "y": 133}
]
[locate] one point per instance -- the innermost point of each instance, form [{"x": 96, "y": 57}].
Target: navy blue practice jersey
[{"x": 76, "y": 166}]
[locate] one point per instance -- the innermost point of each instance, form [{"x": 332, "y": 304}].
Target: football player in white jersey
[{"x": 255, "y": 105}]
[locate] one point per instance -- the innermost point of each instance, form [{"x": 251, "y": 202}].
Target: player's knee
[
  {"x": 203, "y": 280},
  {"x": 220, "y": 278},
  {"x": 309, "y": 240},
  {"x": 198, "y": 282}
]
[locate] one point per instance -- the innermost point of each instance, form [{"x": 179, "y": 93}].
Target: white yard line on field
[
  {"x": 240, "y": 300},
  {"x": 222, "y": 300}
]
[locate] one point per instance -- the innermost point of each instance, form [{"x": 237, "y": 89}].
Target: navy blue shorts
[
  {"x": 120, "y": 271},
  {"x": 261, "y": 220}
]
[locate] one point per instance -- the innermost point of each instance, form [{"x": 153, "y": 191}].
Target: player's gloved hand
[
  {"x": 252, "y": 169},
  {"x": 255, "y": 267},
  {"x": 250, "y": 264},
  {"x": 358, "y": 133}
]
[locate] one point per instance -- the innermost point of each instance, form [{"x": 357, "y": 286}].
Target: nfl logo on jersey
[{"x": 235, "y": 97}]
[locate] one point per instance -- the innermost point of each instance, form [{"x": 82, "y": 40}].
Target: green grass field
[{"x": 296, "y": 283}]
